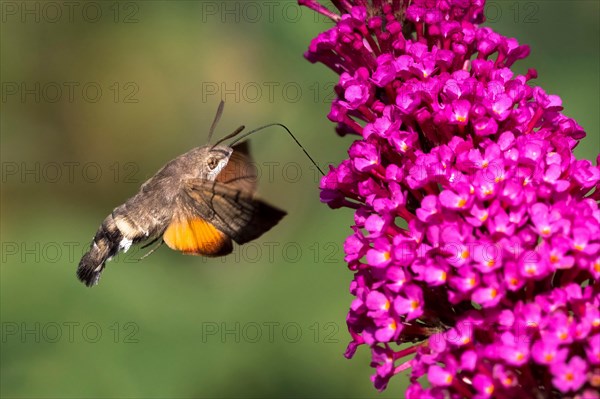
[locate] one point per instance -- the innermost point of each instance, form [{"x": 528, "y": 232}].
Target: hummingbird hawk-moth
[{"x": 198, "y": 203}]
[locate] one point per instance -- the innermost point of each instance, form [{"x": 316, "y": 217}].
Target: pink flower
[{"x": 569, "y": 376}]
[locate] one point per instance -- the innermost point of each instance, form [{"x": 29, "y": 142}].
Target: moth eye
[{"x": 212, "y": 163}]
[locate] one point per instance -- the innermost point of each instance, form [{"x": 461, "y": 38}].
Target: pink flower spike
[{"x": 475, "y": 240}]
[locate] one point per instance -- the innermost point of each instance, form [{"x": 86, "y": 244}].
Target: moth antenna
[
  {"x": 216, "y": 120},
  {"x": 230, "y": 135},
  {"x": 243, "y": 136}
]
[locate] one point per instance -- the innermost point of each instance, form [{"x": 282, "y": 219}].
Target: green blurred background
[{"x": 97, "y": 96}]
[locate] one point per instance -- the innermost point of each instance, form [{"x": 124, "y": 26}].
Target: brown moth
[{"x": 198, "y": 203}]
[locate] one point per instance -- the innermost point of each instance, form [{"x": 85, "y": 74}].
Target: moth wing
[
  {"x": 232, "y": 211},
  {"x": 192, "y": 234},
  {"x": 240, "y": 172}
]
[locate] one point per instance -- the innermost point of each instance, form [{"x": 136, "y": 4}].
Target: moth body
[{"x": 197, "y": 203}]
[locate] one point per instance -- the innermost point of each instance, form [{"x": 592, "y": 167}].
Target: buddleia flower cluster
[{"x": 475, "y": 244}]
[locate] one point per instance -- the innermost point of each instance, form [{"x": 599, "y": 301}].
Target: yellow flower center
[
  {"x": 414, "y": 305},
  {"x": 530, "y": 269}
]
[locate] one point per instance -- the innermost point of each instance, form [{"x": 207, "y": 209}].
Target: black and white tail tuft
[{"x": 104, "y": 246}]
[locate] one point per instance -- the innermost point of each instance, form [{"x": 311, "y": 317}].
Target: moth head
[{"x": 214, "y": 161}]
